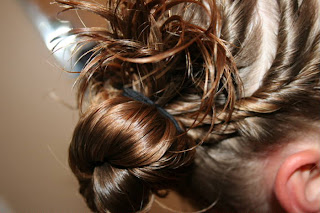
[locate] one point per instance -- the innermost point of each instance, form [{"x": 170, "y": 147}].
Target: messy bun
[
  {"x": 122, "y": 150},
  {"x": 235, "y": 76},
  {"x": 170, "y": 52}
]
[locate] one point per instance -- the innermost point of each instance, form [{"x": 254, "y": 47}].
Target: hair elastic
[{"x": 142, "y": 98}]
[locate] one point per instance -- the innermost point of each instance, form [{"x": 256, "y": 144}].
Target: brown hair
[
  {"x": 122, "y": 150},
  {"x": 238, "y": 76},
  {"x": 283, "y": 104}
]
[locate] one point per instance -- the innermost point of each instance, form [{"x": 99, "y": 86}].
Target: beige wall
[{"x": 35, "y": 129}]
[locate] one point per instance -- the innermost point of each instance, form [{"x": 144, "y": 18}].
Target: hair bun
[{"x": 122, "y": 150}]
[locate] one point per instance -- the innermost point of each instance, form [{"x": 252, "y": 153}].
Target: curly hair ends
[
  {"x": 161, "y": 48},
  {"x": 122, "y": 150}
]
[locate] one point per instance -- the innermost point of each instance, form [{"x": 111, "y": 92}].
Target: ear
[{"x": 297, "y": 184}]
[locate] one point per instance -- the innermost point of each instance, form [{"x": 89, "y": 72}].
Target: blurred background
[{"x": 36, "y": 112}]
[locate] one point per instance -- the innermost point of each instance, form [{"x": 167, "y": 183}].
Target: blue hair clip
[{"x": 127, "y": 92}]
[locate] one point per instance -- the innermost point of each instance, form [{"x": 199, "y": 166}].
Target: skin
[{"x": 292, "y": 174}]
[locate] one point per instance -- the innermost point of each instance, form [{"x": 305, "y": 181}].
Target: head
[
  {"x": 241, "y": 78},
  {"x": 276, "y": 122}
]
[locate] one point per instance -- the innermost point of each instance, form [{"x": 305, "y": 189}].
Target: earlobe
[{"x": 297, "y": 184}]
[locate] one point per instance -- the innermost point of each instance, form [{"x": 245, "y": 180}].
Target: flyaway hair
[
  {"x": 235, "y": 75},
  {"x": 159, "y": 48}
]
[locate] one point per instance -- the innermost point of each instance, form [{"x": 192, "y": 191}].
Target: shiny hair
[
  {"x": 239, "y": 77},
  {"x": 122, "y": 150}
]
